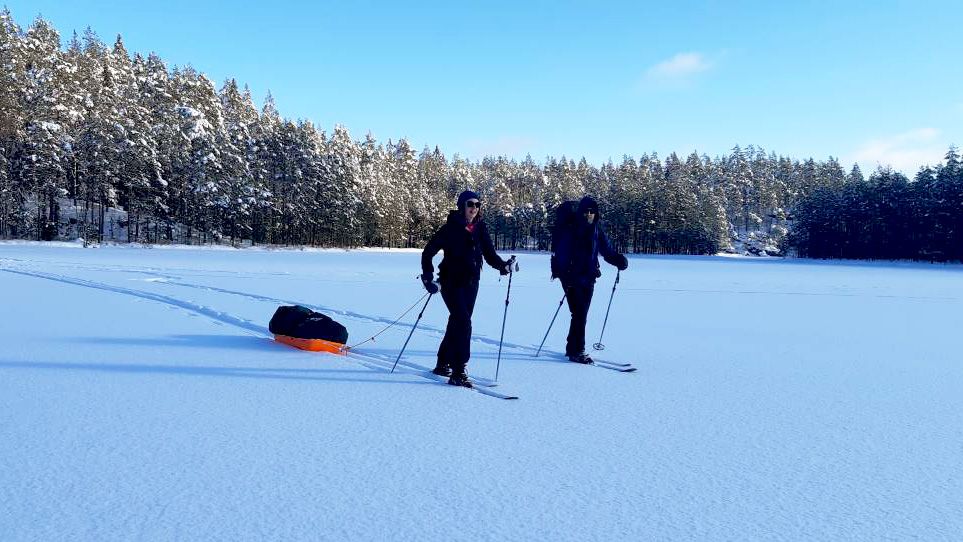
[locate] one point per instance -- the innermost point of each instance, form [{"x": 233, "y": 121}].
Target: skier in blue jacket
[{"x": 575, "y": 263}]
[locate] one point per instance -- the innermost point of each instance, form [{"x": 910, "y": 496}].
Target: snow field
[{"x": 141, "y": 398}]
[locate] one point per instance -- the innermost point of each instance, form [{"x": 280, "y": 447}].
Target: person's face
[
  {"x": 590, "y": 216},
  {"x": 472, "y": 207}
]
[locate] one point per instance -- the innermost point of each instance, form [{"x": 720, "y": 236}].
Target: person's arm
[
  {"x": 610, "y": 255},
  {"x": 432, "y": 248},
  {"x": 488, "y": 251}
]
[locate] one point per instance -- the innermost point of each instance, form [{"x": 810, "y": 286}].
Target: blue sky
[{"x": 873, "y": 82}]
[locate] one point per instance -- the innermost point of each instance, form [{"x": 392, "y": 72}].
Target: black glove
[
  {"x": 430, "y": 285},
  {"x": 508, "y": 266},
  {"x": 623, "y": 263}
]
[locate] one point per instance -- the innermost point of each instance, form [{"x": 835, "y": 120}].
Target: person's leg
[
  {"x": 566, "y": 288},
  {"x": 577, "y": 323},
  {"x": 446, "y": 350},
  {"x": 580, "y": 298},
  {"x": 461, "y": 339}
]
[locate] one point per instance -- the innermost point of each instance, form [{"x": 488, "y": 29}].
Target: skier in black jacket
[
  {"x": 465, "y": 240},
  {"x": 575, "y": 262}
]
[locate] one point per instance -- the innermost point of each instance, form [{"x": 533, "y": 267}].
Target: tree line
[
  {"x": 886, "y": 217},
  {"x": 92, "y": 127}
]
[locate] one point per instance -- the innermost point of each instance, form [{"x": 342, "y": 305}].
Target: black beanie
[{"x": 465, "y": 196}]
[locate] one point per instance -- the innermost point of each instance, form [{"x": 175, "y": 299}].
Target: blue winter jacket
[{"x": 577, "y": 249}]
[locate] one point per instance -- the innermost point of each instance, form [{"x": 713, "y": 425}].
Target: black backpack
[
  {"x": 565, "y": 214},
  {"x": 303, "y": 323},
  {"x": 562, "y": 230}
]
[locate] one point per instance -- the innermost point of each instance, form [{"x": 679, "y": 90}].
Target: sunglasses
[{"x": 473, "y": 203}]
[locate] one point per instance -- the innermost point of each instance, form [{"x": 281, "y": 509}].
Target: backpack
[
  {"x": 562, "y": 230},
  {"x": 565, "y": 214},
  {"x": 303, "y": 323}
]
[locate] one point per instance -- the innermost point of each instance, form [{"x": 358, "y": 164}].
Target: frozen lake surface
[{"x": 141, "y": 397}]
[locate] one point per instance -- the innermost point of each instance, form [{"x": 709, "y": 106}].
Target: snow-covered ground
[{"x": 141, "y": 398}]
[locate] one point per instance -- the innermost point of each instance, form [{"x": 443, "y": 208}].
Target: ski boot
[
  {"x": 582, "y": 358},
  {"x": 442, "y": 369},
  {"x": 459, "y": 378}
]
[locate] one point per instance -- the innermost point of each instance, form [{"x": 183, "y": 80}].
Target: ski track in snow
[
  {"x": 222, "y": 317},
  {"x": 371, "y": 360},
  {"x": 226, "y": 318}
]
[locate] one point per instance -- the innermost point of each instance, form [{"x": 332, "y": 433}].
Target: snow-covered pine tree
[
  {"x": 494, "y": 187},
  {"x": 376, "y": 199},
  {"x": 267, "y": 167},
  {"x": 591, "y": 180},
  {"x": 651, "y": 179},
  {"x": 433, "y": 173},
  {"x": 139, "y": 168},
  {"x": 290, "y": 185},
  {"x": 43, "y": 155},
  {"x": 342, "y": 189},
  {"x": 739, "y": 189},
  {"x": 201, "y": 130},
  {"x": 237, "y": 155},
  {"x": 157, "y": 97},
  {"x": 75, "y": 103},
  {"x": 531, "y": 214},
  {"x": 101, "y": 146},
  {"x": 88, "y": 163},
  {"x": 411, "y": 195},
  {"x": 12, "y": 78},
  {"x": 623, "y": 180}
]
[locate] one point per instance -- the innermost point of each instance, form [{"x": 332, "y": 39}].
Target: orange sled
[{"x": 314, "y": 345}]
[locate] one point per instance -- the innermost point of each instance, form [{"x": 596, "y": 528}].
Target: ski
[
  {"x": 616, "y": 363},
  {"x": 619, "y": 368},
  {"x": 418, "y": 370},
  {"x": 421, "y": 368},
  {"x": 474, "y": 379},
  {"x": 478, "y": 389},
  {"x": 602, "y": 364}
]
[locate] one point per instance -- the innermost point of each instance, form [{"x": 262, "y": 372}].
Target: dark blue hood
[{"x": 587, "y": 203}]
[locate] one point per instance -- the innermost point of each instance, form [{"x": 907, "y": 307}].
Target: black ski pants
[
  {"x": 455, "y": 348},
  {"x": 579, "y": 296}
]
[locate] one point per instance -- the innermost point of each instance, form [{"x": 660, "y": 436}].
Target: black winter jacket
[{"x": 463, "y": 251}]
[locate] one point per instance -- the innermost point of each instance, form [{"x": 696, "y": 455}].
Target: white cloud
[
  {"x": 680, "y": 67},
  {"x": 906, "y": 152}
]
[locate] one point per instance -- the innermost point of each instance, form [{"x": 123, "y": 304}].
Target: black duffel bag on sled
[{"x": 306, "y": 329}]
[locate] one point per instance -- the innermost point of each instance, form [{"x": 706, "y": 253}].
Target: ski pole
[
  {"x": 498, "y": 363},
  {"x": 430, "y": 295},
  {"x": 551, "y": 324},
  {"x": 599, "y": 345}
]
